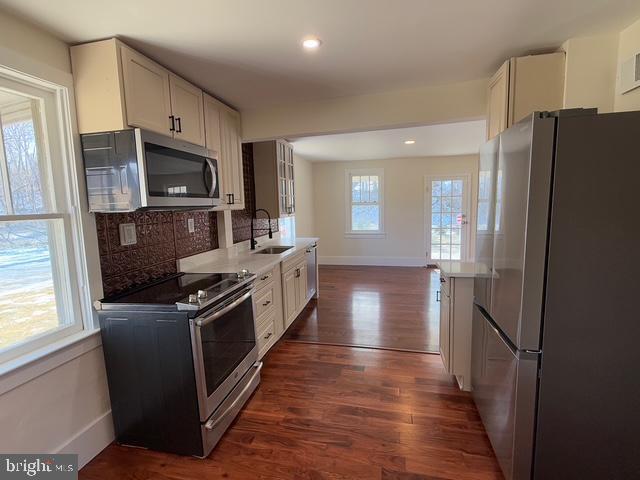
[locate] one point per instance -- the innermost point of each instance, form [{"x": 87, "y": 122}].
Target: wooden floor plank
[
  {"x": 322, "y": 412},
  {"x": 382, "y": 307},
  {"x": 337, "y": 412}
]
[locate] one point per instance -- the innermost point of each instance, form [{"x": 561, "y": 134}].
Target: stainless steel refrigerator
[{"x": 556, "y": 323}]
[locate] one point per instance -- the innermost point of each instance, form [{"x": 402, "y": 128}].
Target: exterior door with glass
[{"x": 447, "y": 221}]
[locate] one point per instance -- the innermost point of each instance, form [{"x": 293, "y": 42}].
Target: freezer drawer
[{"x": 504, "y": 390}]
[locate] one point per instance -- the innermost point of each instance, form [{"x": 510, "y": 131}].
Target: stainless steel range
[{"x": 181, "y": 359}]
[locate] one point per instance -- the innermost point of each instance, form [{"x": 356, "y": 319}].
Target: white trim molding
[
  {"x": 91, "y": 440},
  {"x": 374, "y": 261},
  {"x": 366, "y": 235},
  {"x": 25, "y": 368}
]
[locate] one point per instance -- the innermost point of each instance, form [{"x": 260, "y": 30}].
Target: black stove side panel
[{"x": 151, "y": 380}]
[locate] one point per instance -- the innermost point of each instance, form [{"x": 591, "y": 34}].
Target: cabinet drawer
[
  {"x": 293, "y": 262},
  {"x": 264, "y": 300},
  {"x": 265, "y": 278},
  {"x": 445, "y": 285},
  {"x": 266, "y": 334}
]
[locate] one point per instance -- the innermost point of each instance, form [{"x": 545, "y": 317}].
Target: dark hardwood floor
[
  {"x": 337, "y": 413},
  {"x": 381, "y": 307}
]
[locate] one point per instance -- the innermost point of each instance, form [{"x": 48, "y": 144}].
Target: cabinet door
[
  {"x": 498, "y": 109},
  {"x": 301, "y": 284},
  {"x": 536, "y": 84},
  {"x": 445, "y": 330},
  {"x": 281, "y": 160},
  {"x": 187, "y": 109},
  {"x": 212, "y": 124},
  {"x": 291, "y": 191},
  {"x": 289, "y": 294},
  {"x": 231, "y": 151},
  {"x": 146, "y": 93}
]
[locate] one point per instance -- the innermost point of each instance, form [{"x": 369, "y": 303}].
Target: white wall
[
  {"x": 305, "y": 211},
  {"x": 64, "y": 406},
  {"x": 417, "y": 106},
  {"x": 629, "y": 45},
  {"x": 404, "y": 209},
  {"x": 592, "y": 70}
]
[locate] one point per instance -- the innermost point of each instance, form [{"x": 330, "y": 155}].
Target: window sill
[
  {"x": 365, "y": 235},
  {"x": 18, "y": 371}
]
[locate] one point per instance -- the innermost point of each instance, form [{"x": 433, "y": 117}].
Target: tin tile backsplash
[{"x": 161, "y": 238}]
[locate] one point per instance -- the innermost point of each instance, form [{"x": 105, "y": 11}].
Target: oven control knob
[
  {"x": 193, "y": 298},
  {"x": 202, "y": 294},
  {"x": 243, "y": 273}
]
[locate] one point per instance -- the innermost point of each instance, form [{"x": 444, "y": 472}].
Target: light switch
[
  {"x": 191, "y": 225},
  {"x": 128, "y": 234}
]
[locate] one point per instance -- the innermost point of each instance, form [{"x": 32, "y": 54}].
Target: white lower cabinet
[
  {"x": 289, "y": 296},
  {"x": 456, "y": 309},
  {"x": 280, "y": 295},
  {"x": 267, "y": 304},
  {"x": 445, "y": 329},
  {"x": 294, "y": 291}
]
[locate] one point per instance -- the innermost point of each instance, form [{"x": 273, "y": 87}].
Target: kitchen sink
[{"x": 274, "y": 250}]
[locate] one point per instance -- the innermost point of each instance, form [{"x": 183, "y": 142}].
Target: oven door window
[
  {"x": 226, "y": 342},
  {"x": 173, "y": 173}
]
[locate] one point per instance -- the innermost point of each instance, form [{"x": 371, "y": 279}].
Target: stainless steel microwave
[{"x": 128, "y": 170}]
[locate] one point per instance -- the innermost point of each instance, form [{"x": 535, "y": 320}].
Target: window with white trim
[
  {"x": 364, "y": 188},
  {"x": 39, "y": 289}
]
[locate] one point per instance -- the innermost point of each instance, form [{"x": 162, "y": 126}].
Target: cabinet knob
[
  {"x": 172, "y": 128},
  {"x": 268, "y": 302},
  {"x": 179, "y": 124},
  {"x": 268, "y": 335},
  {"x": 438, "y": 296}
]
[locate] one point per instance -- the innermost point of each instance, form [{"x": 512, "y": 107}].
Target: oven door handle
[
  {"x": 201, "y": 322},
  {"x": 214, "y": 422}
]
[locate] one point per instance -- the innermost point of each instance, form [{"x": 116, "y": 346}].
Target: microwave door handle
[
  {"x": 214, "y": 179},
  {"x": 201, "y": 322}
]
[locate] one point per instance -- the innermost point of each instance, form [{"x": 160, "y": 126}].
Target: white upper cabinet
[
  {"x": 498, "y": 108},
  {"x": 187, "y": 110},
  {"x": 522, "y": 86},
  {"x": 146, "y": 92},
  {"x": 274, "y": 172},
  {"x": 212, "y": 123},
  {"x": 223, "y": 135},
  {"x": 117, "y": 88},
  {"x": 231, "y": 158}
]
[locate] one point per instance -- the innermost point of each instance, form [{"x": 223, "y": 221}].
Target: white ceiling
[
  {"x": 431, "y": 141},
  {"x": 248, "y": 51}
]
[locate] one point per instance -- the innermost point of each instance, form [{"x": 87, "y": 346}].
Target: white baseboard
[
  {"x": 374, "y": 261},
  {"x": 91, "y": 440}
]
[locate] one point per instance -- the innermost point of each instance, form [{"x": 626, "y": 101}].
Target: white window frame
[
  {"x": 465, "y": 254},
  {"x": 67, "y": 247},
  {"x": 372, "y": 234}
]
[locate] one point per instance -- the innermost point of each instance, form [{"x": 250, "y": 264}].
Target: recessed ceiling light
[
  {"x": 409, "y": 142},
  {"x": 311, "y": 43}
]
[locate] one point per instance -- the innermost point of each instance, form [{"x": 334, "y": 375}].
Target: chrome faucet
[{"x": 255, "y": 215}]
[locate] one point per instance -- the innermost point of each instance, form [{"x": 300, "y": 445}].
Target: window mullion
[{"x": 4, "y": 173}]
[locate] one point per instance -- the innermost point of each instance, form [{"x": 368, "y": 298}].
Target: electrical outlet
[
  {"x": 191, "y": 225},
  {"x": 127, "y": 234}
]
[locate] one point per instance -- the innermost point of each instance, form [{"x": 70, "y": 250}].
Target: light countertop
[
  {"x": 461, "y": 269},
  {"x": 246, "y": 259}
]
